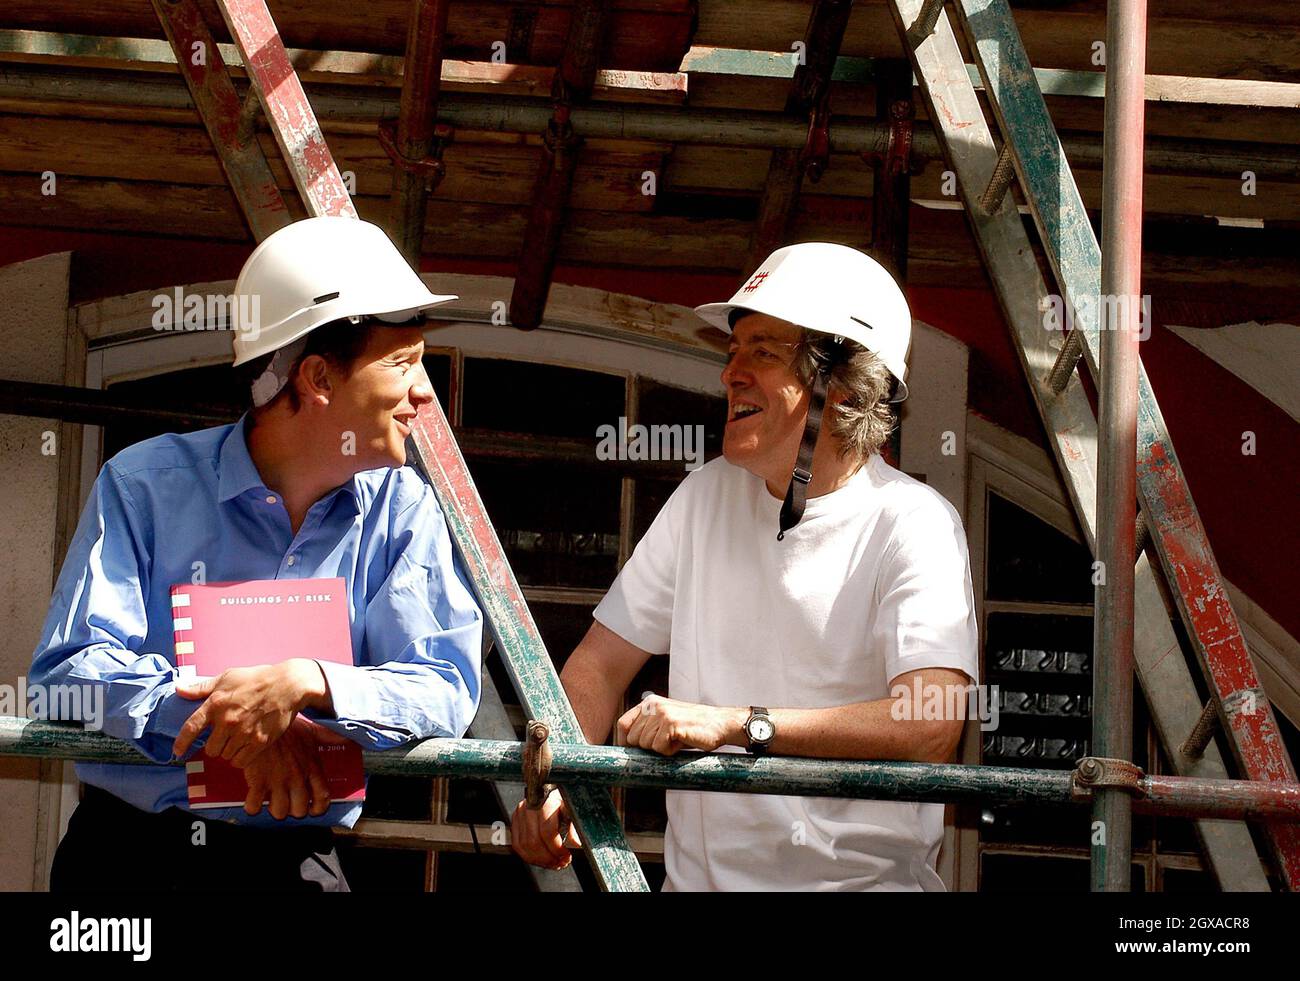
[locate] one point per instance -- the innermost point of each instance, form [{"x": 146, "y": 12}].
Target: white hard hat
[
  {"x": 319, "y": 270},
  {"x": 832, "y": 289}
]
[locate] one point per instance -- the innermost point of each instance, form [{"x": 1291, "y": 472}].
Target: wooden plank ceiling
[{"x": 151, "y": 169}]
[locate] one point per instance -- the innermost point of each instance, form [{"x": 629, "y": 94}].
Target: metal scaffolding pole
[
  {"x": 1121, "y": 282},
  {"x": 414, "y": 138},
  {"x": 55, "y": 91},
  {"x": 582, "y": 764}
]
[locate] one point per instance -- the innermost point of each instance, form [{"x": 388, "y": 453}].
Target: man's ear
[{"x": 313, "y": 381}]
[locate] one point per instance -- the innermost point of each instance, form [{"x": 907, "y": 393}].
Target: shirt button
[
  {"x": 292, "y": 560},
  {"x": 270, "y": 500}
]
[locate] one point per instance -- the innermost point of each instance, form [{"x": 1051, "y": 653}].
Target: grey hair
[{"x": 864, "y": 420}]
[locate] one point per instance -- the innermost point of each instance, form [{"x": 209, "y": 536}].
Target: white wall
[
  {"x": 33, "y": 324},
  {"x": 933, "y": 443}
]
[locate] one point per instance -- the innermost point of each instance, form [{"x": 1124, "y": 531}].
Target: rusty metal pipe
[
  {"x": 574, "y": 79},
  {"x": 1121, "y": 278},
  {"x": 414, "y": 138},
  {"x": 615, "y": 766}
]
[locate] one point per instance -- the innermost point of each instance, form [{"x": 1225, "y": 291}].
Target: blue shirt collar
[{"x": 236, "y": 472}]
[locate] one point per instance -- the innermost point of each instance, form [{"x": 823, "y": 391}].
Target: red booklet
[{"x": 225, "y": 625}]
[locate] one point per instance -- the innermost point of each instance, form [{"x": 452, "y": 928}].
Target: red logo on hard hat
[{"x": 753, "y": 283}]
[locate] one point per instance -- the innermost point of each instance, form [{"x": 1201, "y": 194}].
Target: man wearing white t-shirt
[{"x": 790, "y": 607}]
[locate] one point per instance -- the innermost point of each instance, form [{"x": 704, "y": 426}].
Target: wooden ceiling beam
[
  {"x": 645, "y": 35},
  {"x": 88, "y": 89},
  {"x": 573, "y": 81},
  {"x": 1189, "y": 260},
  {"x": 1227, "y": 47},
  {"x": 415, "y": 144},
  {"x": 339, "y": 67},
  {"x": 700, "y": 63},
  {"x": 808, "y": 98}
]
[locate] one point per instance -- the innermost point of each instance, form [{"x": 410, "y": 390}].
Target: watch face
[{"x": 761, "y": 730}]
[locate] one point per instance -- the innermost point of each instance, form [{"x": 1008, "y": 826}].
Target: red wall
[{"x": 1247, "y": 503}]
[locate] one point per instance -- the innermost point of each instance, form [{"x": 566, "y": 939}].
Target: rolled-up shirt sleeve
[
  {"x": 87, "y": 659},
  {"x": 424, "y": 635}
]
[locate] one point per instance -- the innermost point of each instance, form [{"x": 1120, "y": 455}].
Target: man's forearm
[
  {"x": 594, "y": 698},
  {"x": 862, "y": 731}
]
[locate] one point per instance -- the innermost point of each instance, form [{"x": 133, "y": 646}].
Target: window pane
[
  {"x": 664, "y": 405},
  {"x": 1188, "y": 880},
  {"x": 398, "y": 798},
  {"x": 475, "y": 802},
  {"x": 438, "y": 368},
  {"x": 558, "y": 525},
  {"x": 1042, "y": 666},
  {"x": 1029, "y": 560},
  {"x": 213, "y": 387},
  {"x": 518, "y": 397}
]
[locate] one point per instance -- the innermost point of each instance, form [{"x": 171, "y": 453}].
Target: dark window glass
[
  {"x": 475, "y": 802},
  {"x": 559, "y": 525},
  {"x": 518, "y": 397},
  {"x": 398, "y": 798},
  {"x": 666, "y": 405},
  {"x": 438, "y": 368},
  {"x": 1188, "y": 880},
  {"x": 1029, "y": 560},
  {"x": 1042, "y": 666},
  {"x": 211, "y": 388}
]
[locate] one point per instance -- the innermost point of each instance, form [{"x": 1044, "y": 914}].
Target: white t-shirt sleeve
[
  {"x": 925, "y": 611},
  {"x": 639, "y": 605}
]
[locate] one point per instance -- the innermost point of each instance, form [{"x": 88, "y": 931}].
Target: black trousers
[{"x": 112, "y": 846}]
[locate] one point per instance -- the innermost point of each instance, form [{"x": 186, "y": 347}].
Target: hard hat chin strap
[{"x": 796, "y": 496}]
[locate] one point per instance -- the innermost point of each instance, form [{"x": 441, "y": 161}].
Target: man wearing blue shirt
[{"x": 309, "y": 484}]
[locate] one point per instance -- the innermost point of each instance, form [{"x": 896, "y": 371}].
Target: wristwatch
[{"x": 760, "y": 729}]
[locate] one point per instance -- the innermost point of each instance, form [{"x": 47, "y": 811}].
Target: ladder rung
[
  {"x": 1061, "y": 371},
  {"x": 1141, "y": 536},
  {"x": 246, "y": 127},
  {"x": 1003, "y": 171},
  {"x": 1194, "y": 746},
  {"x": 925, "y": 22}
]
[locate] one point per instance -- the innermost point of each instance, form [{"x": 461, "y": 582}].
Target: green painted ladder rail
[
  {"x": 291, "y": 119},
  {"x": 517, "y": 638},
  {"x": 1050, "y": 358},
  {"x": 582, "y": 764}
]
